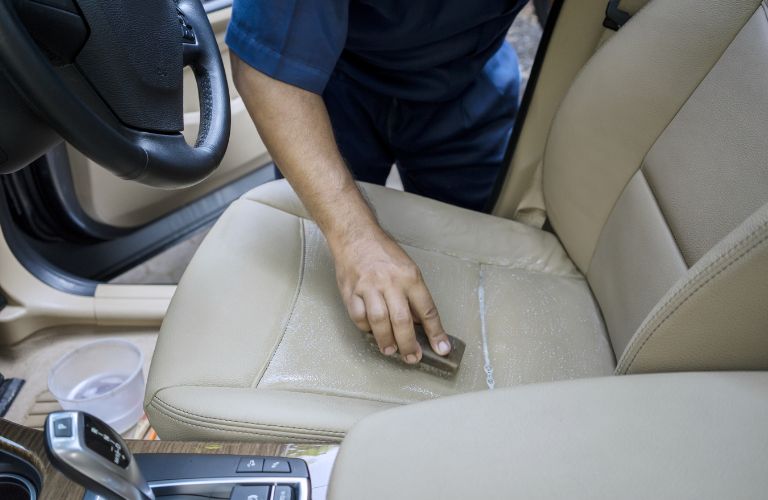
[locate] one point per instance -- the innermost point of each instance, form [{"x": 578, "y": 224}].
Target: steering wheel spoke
[{"x": 131, "y": 63}]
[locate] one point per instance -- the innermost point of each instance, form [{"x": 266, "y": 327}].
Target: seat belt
[{"x": 615, "y": 18}]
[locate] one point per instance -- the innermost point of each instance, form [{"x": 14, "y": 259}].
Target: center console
[
  {"x": 90, "y": 452},
  {"x": 233, "y": 477},
  {"x": 79, "y": 456}
]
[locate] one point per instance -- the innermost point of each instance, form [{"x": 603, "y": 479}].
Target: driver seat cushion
[{"x": 257, "y": 343}]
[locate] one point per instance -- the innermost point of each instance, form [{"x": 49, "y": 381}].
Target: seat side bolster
[
  {"x": 714, "y": 317},
  {"x": 206, "y": 339},
  {"x": 232, "y": 413}
]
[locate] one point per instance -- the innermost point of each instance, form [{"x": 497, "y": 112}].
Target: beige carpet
[
  {"x": 32, "y": 359},
  {"x": 45, "y": 403}
]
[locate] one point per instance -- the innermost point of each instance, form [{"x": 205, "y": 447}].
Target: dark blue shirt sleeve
[{"x": 295, "y": 41}]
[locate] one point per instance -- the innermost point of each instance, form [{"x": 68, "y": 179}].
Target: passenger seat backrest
[{"x": 658, "y": 152}]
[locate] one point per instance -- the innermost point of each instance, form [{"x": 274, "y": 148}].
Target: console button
[
  {"x": 250, "y": 464},
  {"x": 283, "y": 492},
  {"x": 62, "y": 428},
  {"x": 250, "y": 493},
  {"x": 276, "y": 465}
]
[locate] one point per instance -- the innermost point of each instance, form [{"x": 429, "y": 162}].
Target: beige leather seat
[{"x": 656, "y": 180}]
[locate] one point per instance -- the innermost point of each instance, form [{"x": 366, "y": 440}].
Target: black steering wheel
[{"x": 107, "y": 76}]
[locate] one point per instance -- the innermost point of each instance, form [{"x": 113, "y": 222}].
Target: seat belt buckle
[{"x": 615, "y": 18}]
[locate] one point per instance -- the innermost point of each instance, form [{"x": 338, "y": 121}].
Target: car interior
[{"x": 613, "y": 302}]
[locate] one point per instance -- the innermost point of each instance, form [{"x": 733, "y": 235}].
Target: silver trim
[
  {"x": 203, "y": 485},
  {"x": 126, "y": 483},
  {"x": 214, "y": 5},
  {"x": 24, "y": 482}
]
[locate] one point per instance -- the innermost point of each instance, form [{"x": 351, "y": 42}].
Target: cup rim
[{"x": 67, "y": 356}]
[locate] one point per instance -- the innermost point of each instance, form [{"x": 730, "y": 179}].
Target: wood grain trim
[{"x": 29, "y": 444}]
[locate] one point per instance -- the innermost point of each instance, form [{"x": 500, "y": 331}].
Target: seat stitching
[
  {"x": 704, "y": 271},
  {"x": 690, "y": 293},
  {"x": 169, "y": 415},
  {"x": 283, "y": 435},
  {"x": 656, "y": 201},
  {"x": 280, "y": 209},
  {"x": 687, "y": 289},
  {"x": 259, "y": 376},
  {"x": 241, "y": 422},
  {"x": 341, "y": 395},
  {"x": 289, "y": 435},
  {"x": 299, "y": 391},
  {"x": 474, "y": 260}
]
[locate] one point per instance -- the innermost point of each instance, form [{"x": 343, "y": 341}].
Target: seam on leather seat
[
  {"x": 479, "y": 262},
  {"x": 399, "y": 402},
  {"x": 408, "y": 242},
  {"x": 655, "y": 199},
  {"x": 166, "y": 408},
  {"x": 257, "y": 379},
  {"x": 250, "y": 432},
  {"x": 296, "y": 437},
  {"x": 686, "y": 293},
  {"x": 270, "y": 205},
  {"x": 241, "y": 423}
]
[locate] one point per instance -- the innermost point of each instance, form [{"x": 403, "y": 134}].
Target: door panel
[{"x": 122, "y": 203}]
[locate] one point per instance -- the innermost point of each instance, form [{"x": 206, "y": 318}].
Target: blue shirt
[{"x": 418, "y": 50}]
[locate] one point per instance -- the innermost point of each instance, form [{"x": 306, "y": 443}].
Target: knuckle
[
  {"x": 401, "y": 319},
  {"x": 377, "y": 316},
  {"x": 358, "y": 317},
  {"x": 412, "y": 273},
  {"x": 430, "y": 314}
]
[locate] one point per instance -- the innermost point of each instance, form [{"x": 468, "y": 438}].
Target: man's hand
[
  {"x": 385, "y": 293},
  {"x": 381, "y": 286}
]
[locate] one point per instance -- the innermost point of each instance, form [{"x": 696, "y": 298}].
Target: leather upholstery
[
  {"x": 708, "y": 168},
  {"x": 266, "y": 350},
  {"x": 621, "y": 102},
  {"x": 636, "y": 261},
  {"x": 683, "y": 436},
  {"x": 657, "y": 152},
  {"x": 654, "y": 161},
  {"x": 716, "y": 317}
]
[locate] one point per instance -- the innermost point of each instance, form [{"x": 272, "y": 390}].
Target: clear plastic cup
[{"x": 103, "y": 378}]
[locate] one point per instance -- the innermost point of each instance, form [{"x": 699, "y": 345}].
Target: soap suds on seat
[{"x": 484, "y": 332}]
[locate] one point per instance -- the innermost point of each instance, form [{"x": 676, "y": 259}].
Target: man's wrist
[
  {"x": 348, "y": 219},
  {"x": 348, "y": 233}
]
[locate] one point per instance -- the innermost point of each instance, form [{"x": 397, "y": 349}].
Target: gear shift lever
[{"x": 91, "y": 453}]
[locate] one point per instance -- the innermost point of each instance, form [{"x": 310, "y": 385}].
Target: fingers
[
  {"x": 424, "y": 309},
  {"x": 356, "y": 310},
  {"x": 377, "y": 315},
  {"x": 402, "y": 326}
]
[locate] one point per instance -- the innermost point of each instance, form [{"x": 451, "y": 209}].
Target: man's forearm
[
  {"x": 382, "y": 288},
  {"x": 295, "y": 127}
]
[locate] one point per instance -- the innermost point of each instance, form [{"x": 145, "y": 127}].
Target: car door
[{"x": 70, "y": 217}]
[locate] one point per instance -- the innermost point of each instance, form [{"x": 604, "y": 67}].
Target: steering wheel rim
[{"x": 162, "y": 159}]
